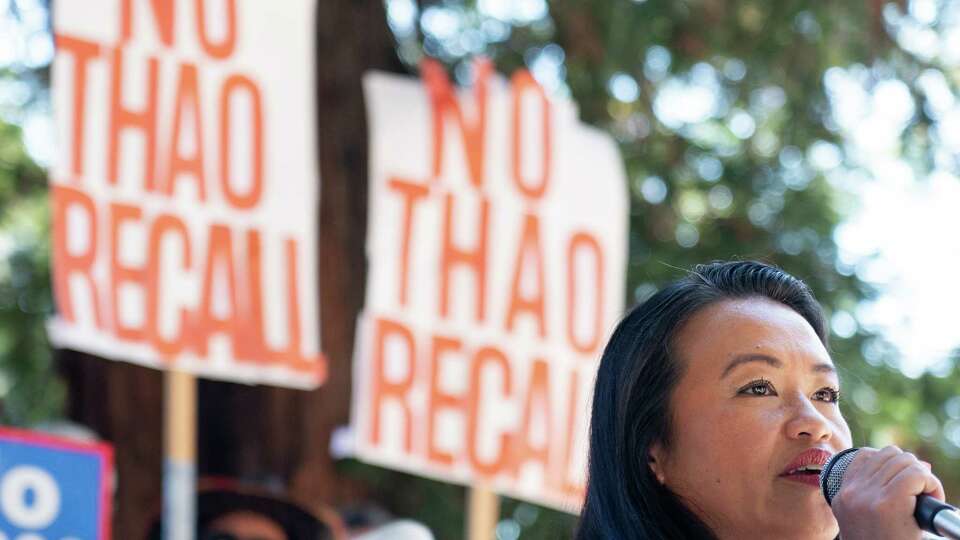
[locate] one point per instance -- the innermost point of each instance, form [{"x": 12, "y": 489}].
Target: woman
[{"x": 715, "y": 407}]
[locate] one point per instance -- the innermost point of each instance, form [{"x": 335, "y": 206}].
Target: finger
[
  {"x": 941, "y": 494},
  {"x": 938, "y": 491},
  {"x": 869, "y": 461},
  {"x": 892, "y": 467},
  {"x": 863, "y": 455},
  {"x": 915, "y": 480}
]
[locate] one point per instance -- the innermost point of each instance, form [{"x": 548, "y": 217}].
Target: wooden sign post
[
  {"x": 483, "y": 512},
  {"x": 180, "y": 456}
]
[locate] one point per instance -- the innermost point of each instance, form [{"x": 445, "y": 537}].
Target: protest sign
[
  {"x": 497, "y": 239},
  {"x": 53, "y": 488},
  {"x": 185, "y": 197}
]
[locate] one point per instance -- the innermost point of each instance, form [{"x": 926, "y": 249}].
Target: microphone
[{"x": 931, "y": 515}]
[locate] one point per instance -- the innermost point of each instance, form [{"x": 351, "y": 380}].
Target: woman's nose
[{"x": 806, "y": 422}]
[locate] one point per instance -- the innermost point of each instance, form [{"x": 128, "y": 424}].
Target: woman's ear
[{"x": 655, "y": 460}]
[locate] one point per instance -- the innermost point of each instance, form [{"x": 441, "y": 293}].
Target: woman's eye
[
  {"x": 760, "y": 387},
  {"x": 830, "y": 395}
]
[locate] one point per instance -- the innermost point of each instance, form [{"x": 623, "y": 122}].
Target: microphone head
[{"x": 831, "y": 477}]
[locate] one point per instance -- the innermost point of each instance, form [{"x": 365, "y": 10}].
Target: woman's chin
[
  {"x": 803, "y": 511},
  {"x": 794, "y": 522}
]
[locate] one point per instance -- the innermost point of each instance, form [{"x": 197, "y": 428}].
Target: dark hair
[{"x": 631, "y": 401}]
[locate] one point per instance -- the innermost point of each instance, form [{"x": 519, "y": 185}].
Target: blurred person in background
[
  {"x": 228, "y": 510},
  {"x": 231, "y": 510}
]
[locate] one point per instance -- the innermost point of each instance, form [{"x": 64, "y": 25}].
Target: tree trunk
[{"x": 269, "y": 435}]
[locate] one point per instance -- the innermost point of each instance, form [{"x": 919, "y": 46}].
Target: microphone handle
[{"x": 937, "y": 517}]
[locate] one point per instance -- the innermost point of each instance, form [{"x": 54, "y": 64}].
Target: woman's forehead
[{"x": 734, "y": 327}]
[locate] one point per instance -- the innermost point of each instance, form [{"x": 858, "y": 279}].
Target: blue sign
[{"x": 54, "y": 488}]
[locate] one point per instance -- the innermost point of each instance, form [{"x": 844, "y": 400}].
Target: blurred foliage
[
  {"x": 734, "y": 146},
  {"x": 29, "y": 389}
]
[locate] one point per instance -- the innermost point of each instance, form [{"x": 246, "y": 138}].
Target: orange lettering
[
  {"x": 252, "y": 340},
  {"x": 119, "y": 273},
  {"x": 82, "y": 51},
  {"x": 384, "y": 389},
  {"x": 241, "y": 201},
  {"x": 483, "y": 357},
  {"x": 162, "y": 15},
  {"x": 444, "y": 103},
  {"x": 163, "y": 225},
  {"x": 219, "y": 253},
  {"x": 294, "y": 356},
  {"x": 475, "y": 259},
  {"x": 65, "y": 263},
  {"x": 529, "y": 247},
  {"x": 122, "y": 118},
  {"x": 578, "y": 242},
  {"x": 224, "y": 48},
  {"x": 537, "y": 401},
  {"x": 523, "y": 82},
  {"x": 569, "y": 486},
  {"x": 412, "y": 194},
  {"x": 191, "y": 165},
  {"x": 440, "y": 399}
]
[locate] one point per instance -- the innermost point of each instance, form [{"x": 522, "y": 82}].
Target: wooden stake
[
  {"x": 483, "y": 512},
  {"x": 180, "y": 456}
]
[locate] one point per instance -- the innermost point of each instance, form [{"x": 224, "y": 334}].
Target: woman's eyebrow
[
  {"x": 741, "y": 359},
  {"x": 771, "y": 361}
]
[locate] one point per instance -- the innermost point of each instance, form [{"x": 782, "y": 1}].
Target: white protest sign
[
  {"x": 497, "y": 239},
  {"x": 185, "y": 197}
]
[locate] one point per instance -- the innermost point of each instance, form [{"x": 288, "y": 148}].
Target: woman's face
[{"x": 757, "y": 391}]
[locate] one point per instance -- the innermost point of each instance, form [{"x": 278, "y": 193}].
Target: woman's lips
[
  {"x": 807, "y": 479},
  {"x": 806, "y": 466}
]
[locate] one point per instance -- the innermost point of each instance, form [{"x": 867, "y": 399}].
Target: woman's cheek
[
  {"x": 728, "y": 432},
  {"x": 748, "y": 428},
  {"x": 753, "y": 420},
  {"x": 841, "y": 430}
]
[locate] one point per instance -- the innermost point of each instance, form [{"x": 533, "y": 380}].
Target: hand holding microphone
[{"x": 886, "y": 494}]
